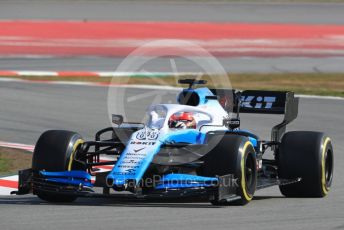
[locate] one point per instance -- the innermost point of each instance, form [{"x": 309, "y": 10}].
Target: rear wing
[{"x": 261, "y": 102}]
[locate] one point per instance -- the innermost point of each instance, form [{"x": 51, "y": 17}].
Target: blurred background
[{"x": 273, "y": 45}]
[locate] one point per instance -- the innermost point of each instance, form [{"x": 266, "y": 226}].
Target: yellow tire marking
[
  {"x": 76, "y": 144},
  {"x": 243, "y": 180},
  {"x": 323, "y": 176}
]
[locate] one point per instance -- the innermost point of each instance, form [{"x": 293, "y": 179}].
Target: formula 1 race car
[{"x": 191, "y": 149}]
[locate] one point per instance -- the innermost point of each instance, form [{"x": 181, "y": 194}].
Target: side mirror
[
  {"x": 231, "y": 123},
  {"x": 117, "y": 119}
]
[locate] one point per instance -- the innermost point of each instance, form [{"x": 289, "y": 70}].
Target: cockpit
[{"x": 175, "y": 117}]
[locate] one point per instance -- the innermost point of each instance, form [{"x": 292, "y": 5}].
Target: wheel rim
[
  {"x": 249, "y": 173},
  {"x": 328, "y": 168}
]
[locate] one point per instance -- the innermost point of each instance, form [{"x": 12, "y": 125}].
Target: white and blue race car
[{"x": 191, "y": 149}]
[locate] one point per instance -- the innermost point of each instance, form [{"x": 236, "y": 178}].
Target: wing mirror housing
[{"x": 117, "y": 119}]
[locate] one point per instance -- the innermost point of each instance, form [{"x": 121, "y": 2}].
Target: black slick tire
[
  {"x": 54, "y": 152},
  {"x": 233, "y": 154},
  {"x": 308, "y": 155}
]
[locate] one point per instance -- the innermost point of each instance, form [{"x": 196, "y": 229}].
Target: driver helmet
[{"x": 184, "y": 120}]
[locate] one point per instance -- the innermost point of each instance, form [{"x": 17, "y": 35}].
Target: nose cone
[
  {"x": 110, "y": 181},
  {"x": 116, "y": 183}
]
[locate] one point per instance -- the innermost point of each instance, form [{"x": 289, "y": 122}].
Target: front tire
[
  {"x": 54, "y": 152},
  {"x": 308, "y": 155},
  {"x": 233, "y": 154}
]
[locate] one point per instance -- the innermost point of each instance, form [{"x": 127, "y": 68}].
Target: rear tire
[
  {"x": 54, "y": 152},
  {"x": 233, "y": 154},
  {"x": 308, "y": 155}
]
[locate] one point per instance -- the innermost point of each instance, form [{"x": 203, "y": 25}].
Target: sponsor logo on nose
[{"x": 138, "y": 150}]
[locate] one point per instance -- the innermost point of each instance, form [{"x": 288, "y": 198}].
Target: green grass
[
  {"x": 4, "y": 165},
  {"x": 326, "y": 84},
  {"x": 12, "y": 160},
  {"x": 309, "y": 83}
]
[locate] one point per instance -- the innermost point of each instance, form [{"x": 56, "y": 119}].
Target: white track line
[
  {"x": 320, "y": 97},
  {"x": 4, "y": 191},
  {"x": 29, "y": 148},
  {"x": 106, "y": 74}
]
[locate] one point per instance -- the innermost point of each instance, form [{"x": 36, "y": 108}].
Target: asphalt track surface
[
  {"x": 29, "y": 109},
  {"x": 231, "y": 65},
  {"x": 193, "y": 11}
]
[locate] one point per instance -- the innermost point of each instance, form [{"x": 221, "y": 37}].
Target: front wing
[{"x": 79, "y": 183}]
